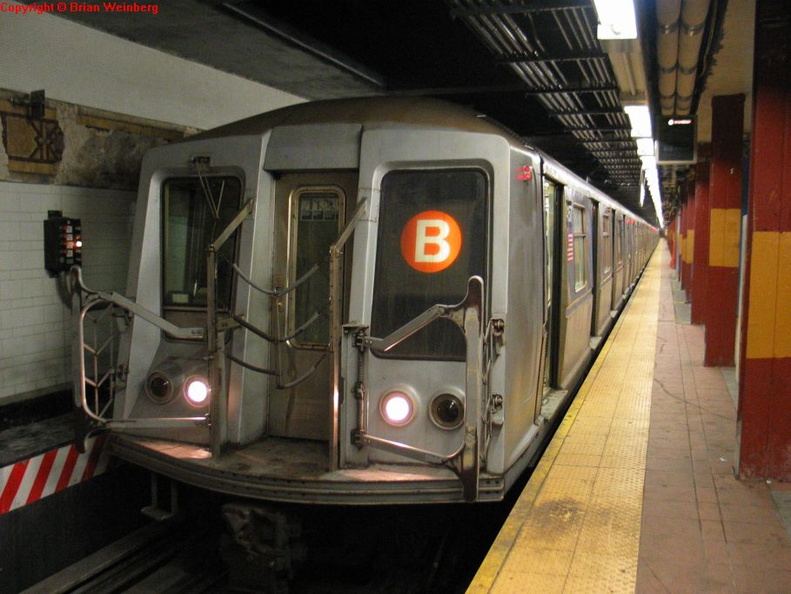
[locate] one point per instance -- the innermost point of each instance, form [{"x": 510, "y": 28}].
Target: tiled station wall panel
[{"x": 35, "y": 330}]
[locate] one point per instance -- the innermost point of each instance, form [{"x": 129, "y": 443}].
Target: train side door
[
  {"x": 310, "y": 212},
  {"x": 618, "y": 271},
  {"x": 553, "y": 233},
  {"x": 596, "y": 277}
]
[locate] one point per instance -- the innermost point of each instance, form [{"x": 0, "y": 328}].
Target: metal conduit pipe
[
  {"x": 693, "y": 23},
  {"x": 668, "y": 16}
]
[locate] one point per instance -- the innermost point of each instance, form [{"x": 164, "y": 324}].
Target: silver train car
[{"x": 373, "y": 301}]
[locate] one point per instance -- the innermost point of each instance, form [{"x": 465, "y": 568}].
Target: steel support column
[{"x": 764, "y": 413}]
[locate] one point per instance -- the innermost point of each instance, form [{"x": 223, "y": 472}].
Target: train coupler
[{"x": 261, "y": 547}]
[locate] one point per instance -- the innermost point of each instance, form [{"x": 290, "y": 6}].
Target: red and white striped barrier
[{"x": 30, "y": 480}]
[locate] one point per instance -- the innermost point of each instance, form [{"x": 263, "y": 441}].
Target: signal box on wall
[{"x": 62, "y": 243}]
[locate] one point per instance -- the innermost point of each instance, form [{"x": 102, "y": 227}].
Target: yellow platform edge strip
[{"x": 647, "y": 296}]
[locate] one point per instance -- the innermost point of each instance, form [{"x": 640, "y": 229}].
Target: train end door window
[{"x": 317, "y": 213}]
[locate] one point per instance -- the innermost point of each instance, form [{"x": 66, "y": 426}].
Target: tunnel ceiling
[{"x": 536, "y": 66}]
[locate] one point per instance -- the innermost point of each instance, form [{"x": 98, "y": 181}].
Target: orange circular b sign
[{"x": 431, "y": 241}]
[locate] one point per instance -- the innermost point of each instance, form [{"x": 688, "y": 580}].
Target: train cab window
[
  {"x": 606, "y": 232},
  {"x": 579, "y": 231},
  {"x": 432, "y": 239},
  {"x": 195, "y": 211},
  {"x": 317, "y": 213}
]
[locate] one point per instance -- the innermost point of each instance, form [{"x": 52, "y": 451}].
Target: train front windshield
[
  {"x": 195, "y": 211},
  {"x": 432, "y": 239}
]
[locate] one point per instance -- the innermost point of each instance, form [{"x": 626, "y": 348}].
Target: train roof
[
  {"x": 380, "y": 112},
  {"x": 367, "y": 111}
]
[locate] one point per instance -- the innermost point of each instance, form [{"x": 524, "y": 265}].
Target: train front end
[{"x": 316, "y": 311}]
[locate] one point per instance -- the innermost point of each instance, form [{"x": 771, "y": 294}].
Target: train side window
[
  {"x": 195, "y": 211},
  {"x": 580, "y": 256},
  {"x": 619, "y": 241},
  {"x": 432, "y": 238},
  {"x": 317, "y": 213}
]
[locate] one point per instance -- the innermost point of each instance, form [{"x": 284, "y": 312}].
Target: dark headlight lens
[
  {"x": 447, "y": 411},
  {"x": 159, "y": 388}
]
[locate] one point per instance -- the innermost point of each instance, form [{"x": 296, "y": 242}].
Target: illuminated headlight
[
  {"x": 397, "y": 408},
  {"x": 197, "y": 391},
  {"x": 159, "y": 388},
  {"x": 447, "y": 411}
]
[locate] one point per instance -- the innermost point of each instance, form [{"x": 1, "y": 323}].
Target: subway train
[{"x": 358, "y": 301}]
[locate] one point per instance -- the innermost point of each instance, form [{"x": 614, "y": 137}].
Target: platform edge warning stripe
[
  {"x": 484, "y": 579},
  {"x": 28, "y": 481}
]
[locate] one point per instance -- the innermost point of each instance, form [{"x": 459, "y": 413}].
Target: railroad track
[{"x": 173, "y": 556}]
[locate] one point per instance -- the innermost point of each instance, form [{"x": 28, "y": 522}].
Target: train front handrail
[
  {"x": 468, "y": 315},
  {"x": 336, "y": 326},
  {"x": 91, "y": 413}
]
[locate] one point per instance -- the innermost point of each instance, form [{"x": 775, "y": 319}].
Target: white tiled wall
[
  {"x": 84, "y": 66},
  {"x": 35, "y": 330}
]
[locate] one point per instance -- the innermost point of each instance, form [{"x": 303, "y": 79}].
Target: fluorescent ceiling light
[
  {"x": 645, "y": 147},
  {"x": 616, "y": 19},
  {"x": 640, "y": 118},
  {"x": 649, "y": 163},
  {"x": 652, "y": 181}
]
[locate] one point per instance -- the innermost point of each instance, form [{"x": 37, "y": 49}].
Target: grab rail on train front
[
  {"x": 91, "y": 412},
  {"x": 106, "y": 313},
  {"x": 468, "y": 315}
]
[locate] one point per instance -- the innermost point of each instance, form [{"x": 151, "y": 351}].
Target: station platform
[{"x": 637, "y": 490}]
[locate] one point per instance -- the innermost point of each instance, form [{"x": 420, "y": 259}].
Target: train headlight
[
  {"x": 397, "y": 408},
  {"x": 197, "y": 391},
  {"x": 159, "y": 388},
  {"x": 447, "y": 411}
]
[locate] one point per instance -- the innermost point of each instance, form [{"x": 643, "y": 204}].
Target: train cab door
[{"x": 310, "y": 213}]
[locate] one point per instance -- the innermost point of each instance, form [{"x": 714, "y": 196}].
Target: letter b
[{"x": 431, "y": 241}]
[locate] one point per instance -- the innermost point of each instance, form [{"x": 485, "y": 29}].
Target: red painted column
[
  {"x": 689, "y": 241},
  {"x": 682, "y": 241},
  {"x": 725, "y": 195},
  {"x": 700, "y": 275},
  {"x": 672, "y": 239},
  {"x": 764, "y": 413}
]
